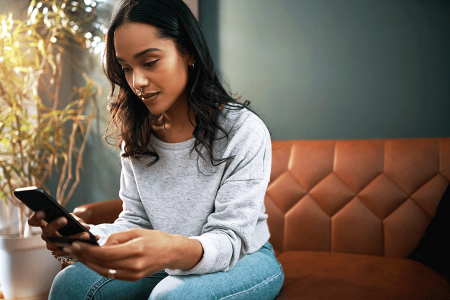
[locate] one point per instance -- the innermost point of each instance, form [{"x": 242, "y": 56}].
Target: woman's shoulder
[
  {"x": 242, "y": 123},
  {"x": 236, "y": 116}
]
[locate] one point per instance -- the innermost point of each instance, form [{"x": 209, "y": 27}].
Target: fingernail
[
  {"x": 67, "y": 250},
  {"x": 40, "y": 215},
  {"x": 76, "y": 246},
  {"x": 61, "y": 221}
]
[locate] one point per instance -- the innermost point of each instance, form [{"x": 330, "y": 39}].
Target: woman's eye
[
  {"x": 125, "y": 69},
  {"x": 150, "y": 63}
]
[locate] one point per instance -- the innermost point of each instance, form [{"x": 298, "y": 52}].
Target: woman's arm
[
  {"x": 137, "y": 253},
  {"x": 238, "y": 224}
]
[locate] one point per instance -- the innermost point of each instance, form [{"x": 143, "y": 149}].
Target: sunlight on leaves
[{"x": 41, "y": 128}]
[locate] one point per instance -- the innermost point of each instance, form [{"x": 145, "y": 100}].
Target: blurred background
[{"x": 312, "y": 69}]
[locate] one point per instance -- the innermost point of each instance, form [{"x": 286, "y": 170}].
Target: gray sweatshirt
[{"x": 220, "y": 206}]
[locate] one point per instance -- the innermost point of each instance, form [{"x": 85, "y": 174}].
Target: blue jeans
[{"x": 256, "y": 276}]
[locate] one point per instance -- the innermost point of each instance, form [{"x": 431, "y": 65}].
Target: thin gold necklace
[
  {"x": 158, "y": 121},
  {"x": 164, "y": 128}
]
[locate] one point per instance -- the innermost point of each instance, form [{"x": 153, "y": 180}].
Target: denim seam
[
  {"x": 254, "y": 287},
  {"x": 96, "y": 287}
]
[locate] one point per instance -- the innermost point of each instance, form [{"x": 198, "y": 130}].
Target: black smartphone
[
  {"x": 61, "y": 241},
  {"x": 38, "y": 200}
]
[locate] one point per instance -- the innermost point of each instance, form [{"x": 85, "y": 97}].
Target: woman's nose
[{"x": 139, "y": 81}]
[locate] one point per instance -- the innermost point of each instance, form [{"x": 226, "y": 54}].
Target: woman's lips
[{"x": 149, "y": 96}]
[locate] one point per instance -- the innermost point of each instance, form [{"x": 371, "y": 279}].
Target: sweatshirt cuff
[
  {"x": 207, "y": 261},
  {"x": 95, "y": 230}
]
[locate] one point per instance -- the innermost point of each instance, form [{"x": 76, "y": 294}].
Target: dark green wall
[
  {"x": 317, "y": 69},
  {"x": 314, "y": 69}
]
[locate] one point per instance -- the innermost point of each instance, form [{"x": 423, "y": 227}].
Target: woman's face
[{"x": 153, "y": 67}]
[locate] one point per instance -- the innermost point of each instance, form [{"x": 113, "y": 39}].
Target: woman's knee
[
  {"x": 59, "y": 284},
  {"x": 74, "y": 282},
  {"x": 63, "y": 282},
  {"x": 79, "y": 282}
]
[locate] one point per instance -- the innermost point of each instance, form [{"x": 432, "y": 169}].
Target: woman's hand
[
  {"x": 137, "y": 253},
  {"x": 51, "y": 229}
]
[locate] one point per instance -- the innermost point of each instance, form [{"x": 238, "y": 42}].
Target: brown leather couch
[{"x": 345, "y": 214}]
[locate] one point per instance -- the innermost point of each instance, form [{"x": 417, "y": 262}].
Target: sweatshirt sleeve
[
  {"x": 239, "y": 202},
  {"x": 133, "y": 214}
]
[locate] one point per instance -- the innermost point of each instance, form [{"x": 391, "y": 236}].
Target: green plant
[{"x": 43, "y": 127}]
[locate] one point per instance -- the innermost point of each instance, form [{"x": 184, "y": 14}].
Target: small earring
[{"x": 193, "y": 65}]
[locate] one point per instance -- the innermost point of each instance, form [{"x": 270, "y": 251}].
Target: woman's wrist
[{"x": 188, "y": 253}]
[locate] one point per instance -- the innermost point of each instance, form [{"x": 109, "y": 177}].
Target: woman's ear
[{"x": 191, "y": 61}]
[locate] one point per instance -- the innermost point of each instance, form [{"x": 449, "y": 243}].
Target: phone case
[{"x": 38, "y": 200}]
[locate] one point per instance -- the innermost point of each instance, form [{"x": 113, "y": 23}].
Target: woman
[{"x": 195, "y": 168}]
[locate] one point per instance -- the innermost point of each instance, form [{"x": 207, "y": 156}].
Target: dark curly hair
[{"x": 130, "y": 121}]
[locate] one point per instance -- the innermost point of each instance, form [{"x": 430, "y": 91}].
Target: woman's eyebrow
[{"x": 137, "y": 55}]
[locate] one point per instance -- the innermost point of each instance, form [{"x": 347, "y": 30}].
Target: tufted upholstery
[
  {"x": 355, "y": 196},
  {"x": 344, "y": 215}
]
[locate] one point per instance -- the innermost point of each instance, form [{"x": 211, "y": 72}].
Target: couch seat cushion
[{"x": 326, "y": 275}]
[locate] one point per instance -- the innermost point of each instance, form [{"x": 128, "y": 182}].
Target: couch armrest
[{"x": 99, "y": 212}]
